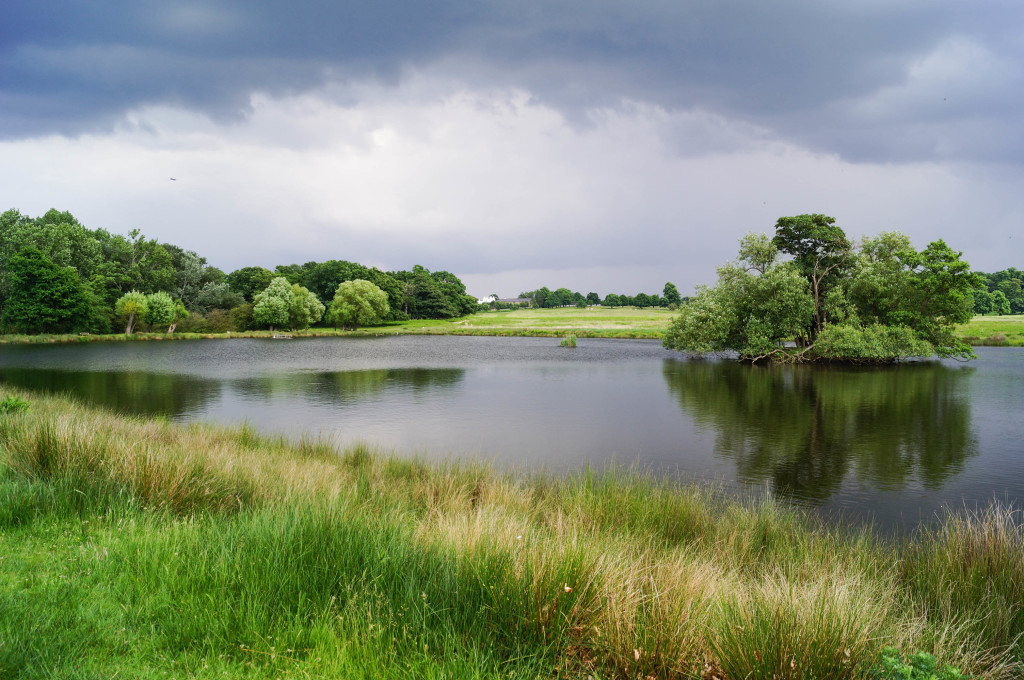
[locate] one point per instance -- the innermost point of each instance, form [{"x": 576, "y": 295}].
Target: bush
[
  {"x": 219, "y": 321},
  {"x": 13, "y": 405},
  {"x": 920, "y": 666}
]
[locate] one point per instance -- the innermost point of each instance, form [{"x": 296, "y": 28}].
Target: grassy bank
[
  {"x": 592, "y": 322},
  {"x": 999, "y": 331},
  {"x": 145, "y": 549}
]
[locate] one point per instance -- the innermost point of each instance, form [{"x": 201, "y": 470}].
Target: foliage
[
  {"x": 160, "y": 309},
  {"x": 305, "y": 308},
  {"x": 877, "y": 303},
  {"x": 13, "y": 404},
  {"x": 568, "y": 341},
  {"x": 248, "y": 281},
  {"x": 670, "y": 294},
  {"x": 131, "y": 307},
  {"x": 43, "y": 297},
  {"x": 921, "y": 666},
  {"x": 358, "y": 303},
  {"x": 272, "y": 306}
]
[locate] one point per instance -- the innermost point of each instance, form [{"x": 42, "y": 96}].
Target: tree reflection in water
[
  {"x": 347, "y": 386},
  {"x": 807, "y": 428},
  {"x": 138, "y": 393}
]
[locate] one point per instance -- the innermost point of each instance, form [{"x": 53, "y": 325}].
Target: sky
[{"x": 589, "y": 144}]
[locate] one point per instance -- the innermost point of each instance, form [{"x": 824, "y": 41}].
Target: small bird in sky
[{"x": 174, "y": 179}]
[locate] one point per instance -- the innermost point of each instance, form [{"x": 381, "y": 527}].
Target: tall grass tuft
[{"x": 201, "y": 551}]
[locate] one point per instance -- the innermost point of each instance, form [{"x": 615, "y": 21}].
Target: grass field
[
  {"x": 995, "y": 330},
  {"x": 135, "y": 548},
  {"x": 591, "y": 322}
]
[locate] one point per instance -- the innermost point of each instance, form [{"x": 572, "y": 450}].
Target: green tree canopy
[
  {"x": 305, "y": 308},
  {"x": 132, "y": 306},
  {"x": 880, "y": 302},
  {"x": 358, "y": 303},
  {"x": 248, "y": 281},
  {"x": 670, "y": 294},
  {"x": 160, "y": 309},
  {"x": 42, "y": 296},
  {"x": 272, "y": 306}
]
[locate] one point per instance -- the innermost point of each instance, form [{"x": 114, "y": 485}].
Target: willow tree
[{"x": 877, "y": 302}]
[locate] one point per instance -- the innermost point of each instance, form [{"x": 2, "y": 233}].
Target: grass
[
  {"x": 148, "y": 549},
  {"x": 589, "y": 322},
  {"x": 994, "y": 330}
]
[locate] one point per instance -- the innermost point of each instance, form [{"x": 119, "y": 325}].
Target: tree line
[
  {"x": 57, "y": 276},
  {"x": 563, "y": 297},
  {"x": 1000, "y": 293}
]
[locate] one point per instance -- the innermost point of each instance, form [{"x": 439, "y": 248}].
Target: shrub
[{"x": 13, "y": 405}]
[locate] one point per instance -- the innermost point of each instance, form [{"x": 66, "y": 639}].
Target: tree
[
  {"x": 159, "y": 309},
  {"x": 131, "y": 306},
  {"x": 820, "y": 250},
  {"x": 611, "y": 300},
  {"x": 887, "y": 302},
  {"x": 999, "y": 304},
  {"x": 272, "y": 306},
  {"x": 248, "y": 281},
  {"x": 305, "y": 308},
  {"x": 216, "y": 296},
  {"x": 671, "y": 294},
  {"x": 358, "y": 303},
  {"x": 593, "y": 299},
  {"x": 42, "y": 296}
]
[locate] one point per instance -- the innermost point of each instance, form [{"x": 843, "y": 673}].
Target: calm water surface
[{"x": 892, "y": 444}]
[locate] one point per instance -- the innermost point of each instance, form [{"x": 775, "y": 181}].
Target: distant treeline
[
  {"x": 1000, "y": 293},
  {"x": 563, "y": 297},
  {"x": 57, "y": 276}
]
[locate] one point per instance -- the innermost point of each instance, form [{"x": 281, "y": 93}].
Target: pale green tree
[
  {"x": 305, "y": 308},
  {"x": 272, "y": 306},
  {"x": 132, "y": 307},
  {"x": 358, "y": 303},
  {"x": 159, "y": 309}
]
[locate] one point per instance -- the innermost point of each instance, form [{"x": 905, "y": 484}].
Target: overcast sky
[{"x": 597, "y": 145}]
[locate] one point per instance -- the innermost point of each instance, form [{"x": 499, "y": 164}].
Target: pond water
[{"x": 891, "y": 444}]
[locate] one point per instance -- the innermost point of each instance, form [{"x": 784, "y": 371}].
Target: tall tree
[
  {"x": 358, "y": 303},
  {"x": 42, "y": 296}
]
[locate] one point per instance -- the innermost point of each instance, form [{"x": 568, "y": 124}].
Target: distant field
[
  {"x": 608, "y": 322},
  {"x": 591, "y": 322},
  {"x": 994, "y": 330}
]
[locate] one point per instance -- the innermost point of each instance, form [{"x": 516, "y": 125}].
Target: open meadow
[{"x": 994, "y": 330}]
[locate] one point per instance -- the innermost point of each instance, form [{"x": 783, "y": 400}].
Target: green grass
[
  {"x": 590, "y": 322},
  {"x": 145, "y": 549},
  {"x": 994, "y": 330}
]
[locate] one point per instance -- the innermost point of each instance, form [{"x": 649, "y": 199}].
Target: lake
[{"x": 891, "y": 444}]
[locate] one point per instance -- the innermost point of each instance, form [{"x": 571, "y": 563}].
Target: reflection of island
[
  {"x": 137, "y": 393},
  {"x": 806, "y": 428},
  {"x": 348, "y": 386}
]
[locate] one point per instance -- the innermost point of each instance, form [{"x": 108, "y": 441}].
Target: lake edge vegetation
[
  {"x": 150, "y": 548},
  {"x": 875, "y": 302}
]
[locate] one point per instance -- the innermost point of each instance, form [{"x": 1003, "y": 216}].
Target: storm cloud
[{"x": 496, "y": 139}]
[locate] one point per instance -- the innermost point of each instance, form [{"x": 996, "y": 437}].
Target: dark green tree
[
  {"x": 671, "y": 294},
  {"x": 42, "y": 296},
  {"x": 248, "y": 281}
]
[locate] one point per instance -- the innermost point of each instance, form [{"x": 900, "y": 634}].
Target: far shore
[{"x": 589, "y": 322}]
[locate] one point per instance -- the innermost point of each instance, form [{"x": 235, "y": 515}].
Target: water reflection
[
  {"x": 135, "y": 392},
  {"x": 347, "y": 387},
  {"x": 806, "y": 429}
]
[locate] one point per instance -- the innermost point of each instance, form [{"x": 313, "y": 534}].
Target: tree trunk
[{"x": 131, "y": 324}]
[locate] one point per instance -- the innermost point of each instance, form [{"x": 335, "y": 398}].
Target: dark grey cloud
[{"x": 852, "y": 78}]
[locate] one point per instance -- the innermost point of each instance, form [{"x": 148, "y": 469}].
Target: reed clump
[{"x": 149, "y": 548}]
